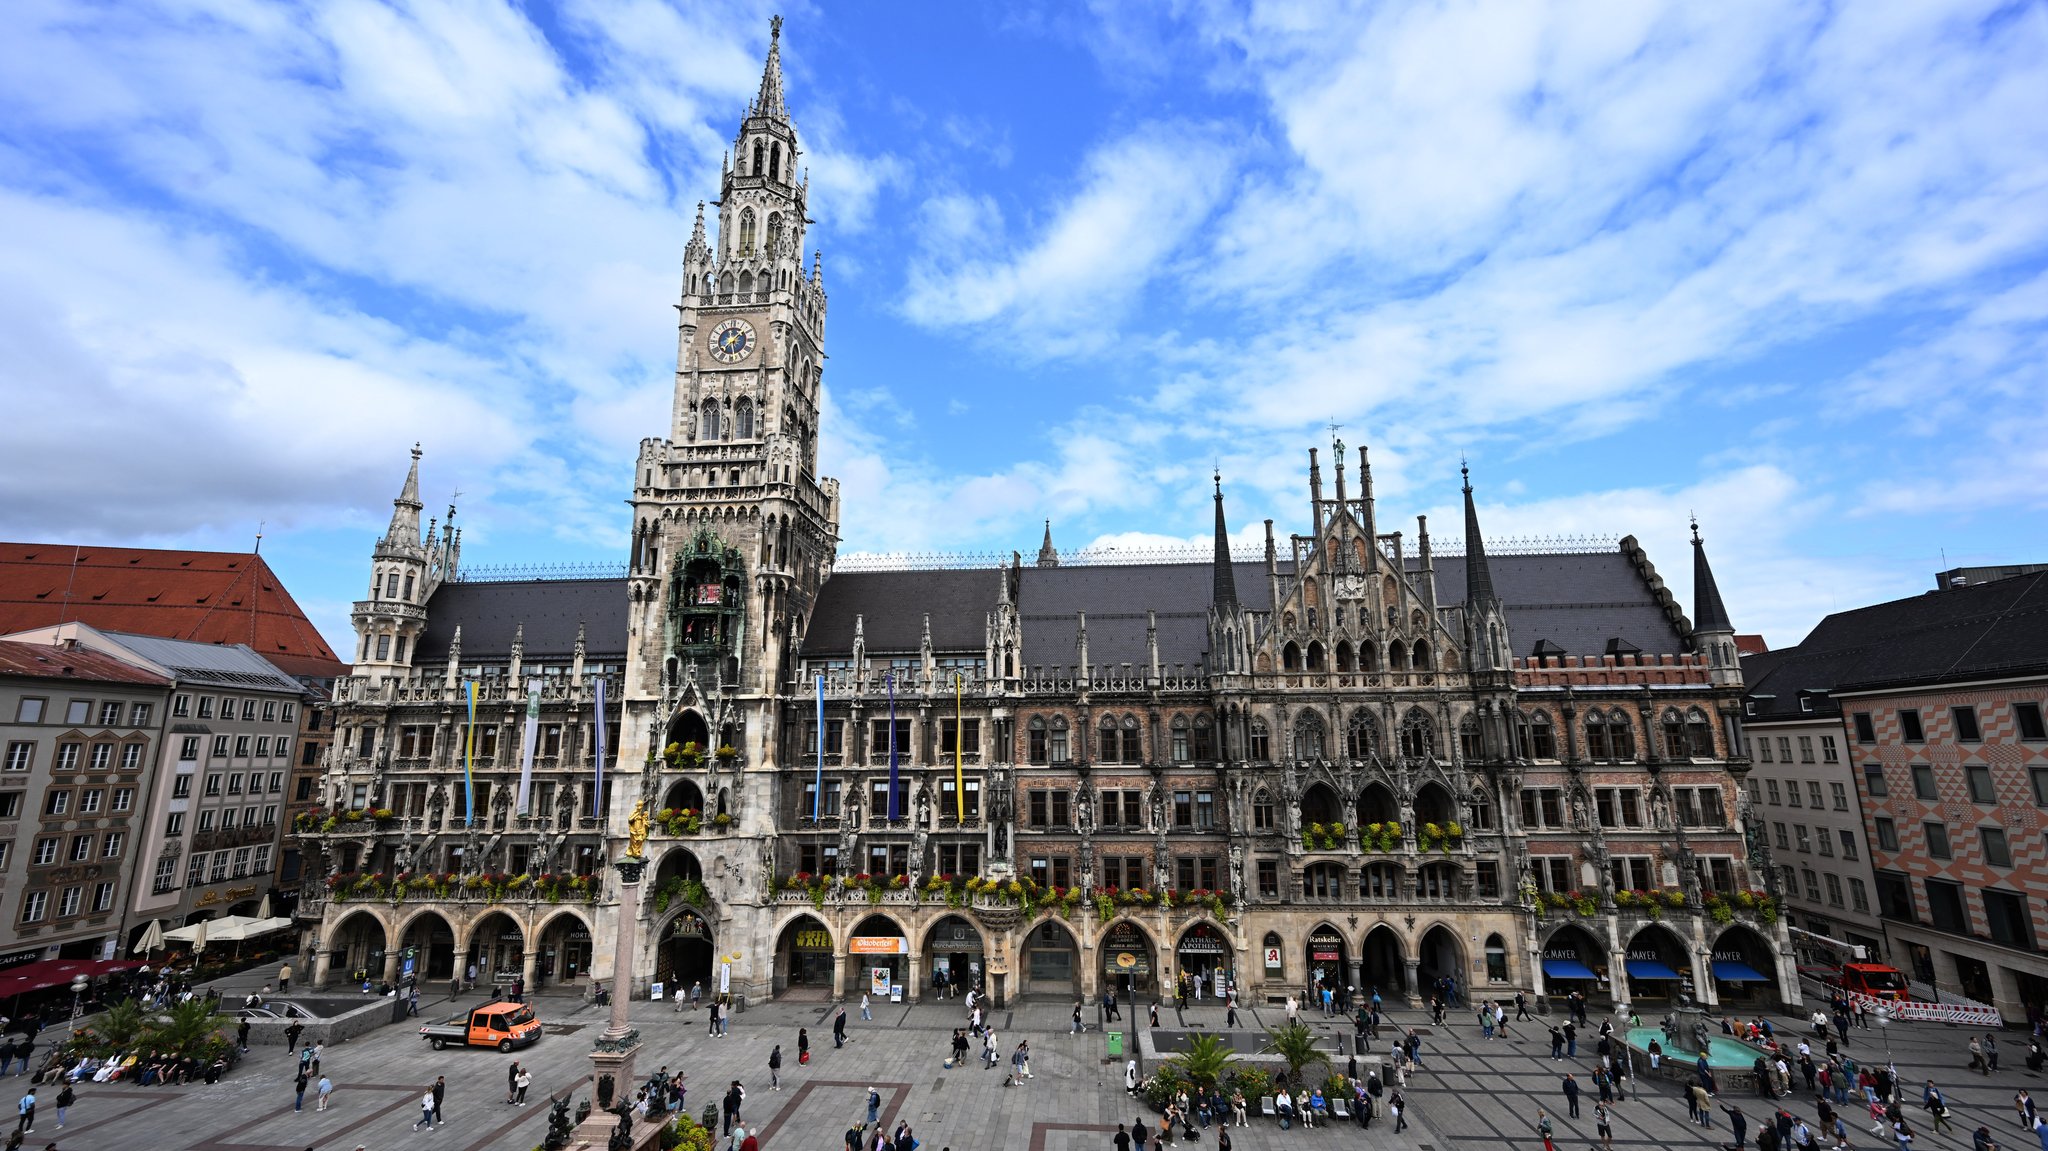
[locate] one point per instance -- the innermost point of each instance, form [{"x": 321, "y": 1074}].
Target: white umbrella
[
  {"x": 152, "y": 938},
  {"x": 199, "y": 938},
  {"x": 263, "y": 912}
]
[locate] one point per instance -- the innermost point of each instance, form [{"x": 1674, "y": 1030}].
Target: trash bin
[{"x": 1116, "y": 1044}]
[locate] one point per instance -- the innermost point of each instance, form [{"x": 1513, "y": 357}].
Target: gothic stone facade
[{"x": 1310, "y": 768}]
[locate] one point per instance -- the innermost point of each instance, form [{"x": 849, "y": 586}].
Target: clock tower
[{"x": 734, "y": 532}]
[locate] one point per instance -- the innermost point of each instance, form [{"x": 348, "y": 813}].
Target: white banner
[{"x": 526, "y": 744}]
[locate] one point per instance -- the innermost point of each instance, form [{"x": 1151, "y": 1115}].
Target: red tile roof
[
  {"x": 207, "y": 597},
  {"x": 48, "y": 661},
  {"x": 1751, "y": 645}
]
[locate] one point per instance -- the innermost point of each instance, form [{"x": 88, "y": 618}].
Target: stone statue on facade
[{"x": 636, "y": 830}]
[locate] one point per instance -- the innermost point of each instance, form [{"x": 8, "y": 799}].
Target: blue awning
[
  {"x": 1650, "y": 969},
  {"x": 1567, "y": 969},
  {"x": 1729, "y": 971}
]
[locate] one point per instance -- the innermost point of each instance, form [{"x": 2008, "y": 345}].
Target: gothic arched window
[
  {"x": 1181, "y": 752},
  {"x": 1420, "y": 658},
  {"x": 707, "y": 422},
  {"x": 743, "y": 420},
  {"x": 1700, "y": 734},
  {"x": 1262, "y": 741},
  {"x": 1418, "y": 735},
  {"x": 1057, "y": 740},
  {"x": 1315, "y": 655},
  {"x": 760, "y": 150},
  {"x": 1362, "y": 737},
  {"x": 1290, "y": 657},
  {"x": 746, "y": 232},
  {"x": 1468, "y": 738},
  {"x": 775, "y": 162},
  {"x": 1134, "y": 747},
  {"x": 1675, "y": 744},
  {"x": 1539, "y": 739},
  {"x": 1308, "y": 736}
]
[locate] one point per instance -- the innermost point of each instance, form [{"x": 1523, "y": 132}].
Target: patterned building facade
[{"x": 1327, "y": 764}]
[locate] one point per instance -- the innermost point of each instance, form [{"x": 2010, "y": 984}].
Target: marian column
[{"x": 610, "y": 1124}]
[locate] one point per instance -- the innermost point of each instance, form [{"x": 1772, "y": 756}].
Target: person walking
[
  {"x": 1571, "y": 1095},
  {"x": 426, "y": 1110},
  {"x": 291, "y": 1036},
  {"x": 1603, "y": 1127},
  {"x": 65, "y": 1098},
  {"x": 318, "y": 1048},
  {"x": 1076, "y": 1028},
  {"x": 1397, "y": 1106},
  {"x": 26, "y": 1123},
  {"x": 1230, "y": 1010},
  {"x": 839, "y": 1028},
  {"x": 440, "y": 1092},
  {"x": 299, "y": 1091},
  {"x": 2023, "y": 1103},
  {"x": 865, "y": 1014},
  {"x": 874, "y": 1106},
  {"x": 1138, "y": 1134},
  {"x": 1122, "y": 1141},
  {"x": 284, "y": 979},
  {"x": 326, "y": 1090},
  {"x": 1543, "y": 1129},
  {"x": 775, "y": 1068},
  {"x": 803, "y": 1046},
  {"x": 242, "y": 1036},
  {"x": 1024, "y": 1057}
]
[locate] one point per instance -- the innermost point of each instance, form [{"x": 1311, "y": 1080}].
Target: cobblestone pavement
[{"x": 1470, "y": 1094}]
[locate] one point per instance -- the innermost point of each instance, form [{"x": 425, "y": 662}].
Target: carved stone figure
[
  {"x": 1660, "y": 811},
  {"x": 636, "y": 830}
]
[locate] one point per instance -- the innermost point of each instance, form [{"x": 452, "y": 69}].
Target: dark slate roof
[
  {"x": 892, "y": 607},
  {"x": 1988, "y": 629},
  {"x": 549, "y": 610},
  {"x": 1116, "y": 598},
  {"x": 1576, "y": 600}
]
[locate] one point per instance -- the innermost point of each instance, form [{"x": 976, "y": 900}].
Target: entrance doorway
[
  {"x": 359, "y": 947},
  {"x": 498, "y": 950},
  {"x": 1127, "y": 960},
  {"x": 1329, "y": 964},
  {"x": 1573, "y": 961},
  {"x": 1204, "y": 958},
  {"x": 953, "y": 955},
  {"x": 683, "y": 957},
  {"x": 1052, "y": 961},
  {"x": 1745, "y": 971},
  {"x": 1385, "y": 963},
  {"x": 803, "y": 958},
  {"x": 1440, "y": 965}
]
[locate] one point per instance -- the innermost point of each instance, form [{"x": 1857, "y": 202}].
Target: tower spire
[
  {"x": 769, "y": 102},
  {"x": 1224, "y": 593},
  {"x": 1478, "y": 573},
  {"x": 1047, "y": 557},
  {"x": 1708, "y": 612},
  {"x": 405, "y": 510}
]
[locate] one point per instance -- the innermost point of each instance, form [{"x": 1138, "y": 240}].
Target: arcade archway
[
  {"x": 877, "y": 957},
  {"x": 1385, "y": 965},
  {"x": 803, "y": 958},
  {"x": 1052, "y": 961},
  {"x": 358, "y": 947},
  {"x": 1745, "y": 970},
  {"x": 1573, "y": 961},
  {"x": 1440, "y": 965},
  {"x": 1329, "y": 963},
  {"x": 432, "y": 943},
  {"x": 497, "y": 948},
  {"x": 1129, "y": 966},
  {"x": 1659, "y": 967},
  {"x": 1204, "y": 958},
  {"x": 565, "y": 950},
  {"x": 953, "y": 955},
  {"x": 683, "y": 957}
]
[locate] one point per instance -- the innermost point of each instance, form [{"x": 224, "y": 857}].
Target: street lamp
[
  {"x": 79, "y": 984},
  {"x": 1884, "y": 1022}
]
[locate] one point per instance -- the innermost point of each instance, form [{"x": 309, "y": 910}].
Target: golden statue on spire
[{"x": 636, "y": 830}]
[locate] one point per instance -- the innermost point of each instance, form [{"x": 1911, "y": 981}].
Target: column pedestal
[
  {"x": 611, "y": 1059},
  {"x": 322, "y": 964},
  {"x": 1414, "y": 978}
]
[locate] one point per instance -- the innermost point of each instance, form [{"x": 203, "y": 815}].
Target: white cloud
[{"x": 1072, "y": 280}]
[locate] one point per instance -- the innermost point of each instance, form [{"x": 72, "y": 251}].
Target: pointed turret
[
  {"x": 405, "y": 510},
  {"x": 769, "y": 102},
  {"x": 1708, "y": 612},
  {"x": 1224, "y": 592},
  {"x": 1047, "y": 556},
  {"x": 1478, "y": 573},
  {"x": 1365, "y": 508},
  {"x": 1713, "y": 633}
]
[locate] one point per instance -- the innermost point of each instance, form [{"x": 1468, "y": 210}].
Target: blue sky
[{"x": 1779, "y": 265}]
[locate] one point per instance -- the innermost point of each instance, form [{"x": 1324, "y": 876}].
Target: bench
[{"x": 1266, "y": 1106}]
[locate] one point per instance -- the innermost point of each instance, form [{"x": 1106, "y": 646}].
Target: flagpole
[
  {"x": 959, "y": 740},
  {"x": 818, "y": 787},
  {"x": 894, "y": 814},
  {"x": 597, "y": 792},
  {"x": 469, "y": 761}
]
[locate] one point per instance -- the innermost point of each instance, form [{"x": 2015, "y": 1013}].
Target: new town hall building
[{"x": 1361, "y": 760}]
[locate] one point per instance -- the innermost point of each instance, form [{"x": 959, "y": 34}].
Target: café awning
[
  {"x": 57, "y": 973},
  {"x": 1650, "y": 969},
  {"x": 1567, "y": 969},
  {"x": 1729, "y": 971}
]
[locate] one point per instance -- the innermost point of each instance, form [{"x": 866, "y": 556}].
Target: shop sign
[
  {"x": 1325, "y": 947},
  {"x": 1272, "y": 959},
  {"x": 878, "y": 981},
  {"x": 1649, "y": 953},
  {"x": 959, "y": 937},
  {"x": 1128, "y": 963},
  {"x": 1732, "y": 956},
  {"x": 228, "y": 895},
  {"x": 1560, "y": 953},
  {"x": 1124, "y": 934},
  {"x": 813, "y": 939},
  {"x": 17, "y": 958},
  {"x": 877, "y": 945},
  {"x": 1202, "y": 945}
]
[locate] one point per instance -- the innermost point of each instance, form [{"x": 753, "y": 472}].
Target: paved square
[{"x": 1471, "y": 1093}]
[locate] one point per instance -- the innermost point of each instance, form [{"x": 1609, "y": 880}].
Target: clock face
[{"x": 731, "y": 341}]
